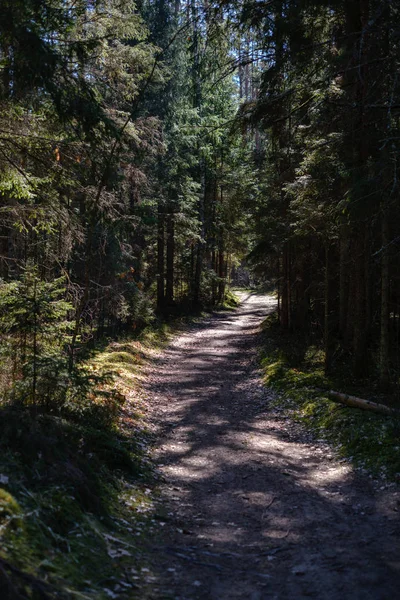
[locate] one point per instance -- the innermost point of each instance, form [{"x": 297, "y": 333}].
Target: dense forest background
[
  {"x": 152, "y": 154},
  {"x": 149, "y": 149}
]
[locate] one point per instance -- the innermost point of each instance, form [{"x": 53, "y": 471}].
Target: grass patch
[
  {"x": 65, "y": 528},
  {"x": 75, "y": 501},
  {"x": 295, "y": 369},
  {"x": 231, "y": 300}
]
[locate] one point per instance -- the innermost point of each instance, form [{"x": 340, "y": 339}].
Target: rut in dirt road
[{"x": 256, "y": 508}]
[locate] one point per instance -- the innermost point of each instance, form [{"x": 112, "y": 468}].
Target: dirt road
[{"x": 254, "y": 508}]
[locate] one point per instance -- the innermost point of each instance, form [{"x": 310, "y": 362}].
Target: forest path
[{"x": 255, "y": 509}]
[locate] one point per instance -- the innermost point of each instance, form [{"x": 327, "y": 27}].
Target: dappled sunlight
[{"x": 260, "y": 504}]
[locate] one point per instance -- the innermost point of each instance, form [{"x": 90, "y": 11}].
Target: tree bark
[
  {"x": 160, "y": 258},
  {"x": 169, "y": 291},
  {"x": 385, "y": 283},
  {"x": 363, "y": 404},
  {"x": 221, "y": 268},
  {"x": 328, "y": 339},
  {"x": 285, "y": 284},
  {"x": 343, "y": 279},
  {"x": 359, "y": 331}
]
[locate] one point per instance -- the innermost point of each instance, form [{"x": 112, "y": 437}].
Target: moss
[
  {"x": 78, "y": 500},
  {"x": 10, "y": 511},
  {"x": 231, "y": 300},
  {"x": 122, "y": 358},
  {"x": 294, "y": 367},
  {"x": 65, "y": 493}
]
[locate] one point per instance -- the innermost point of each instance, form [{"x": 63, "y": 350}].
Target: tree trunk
[
  {"x": 368, "y": 290},
  {"x": 214, "y": 267},
  {"x": 160, "y": 258},
  {"x": 359, "y": 331},
  {"x": 169, "y": 292},
  {"x": 329, "y": 310},
  {"x": 385, "y": 283},
  {"x": 343, "y": 279},
  {"x": 197, "y": 101},
  {"x": 221, "y": 268},
  {"x": 364, "y": 404},
  {"x": 285, "y": 283}
]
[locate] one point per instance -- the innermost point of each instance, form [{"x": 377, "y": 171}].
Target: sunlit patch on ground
[{"x": 254, "y": 498}]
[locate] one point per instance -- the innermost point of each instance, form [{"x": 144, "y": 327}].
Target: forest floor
[{"x": 251, "y": 506}]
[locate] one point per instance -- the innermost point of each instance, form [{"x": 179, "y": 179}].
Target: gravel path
[{"x": 254, "y": 508}]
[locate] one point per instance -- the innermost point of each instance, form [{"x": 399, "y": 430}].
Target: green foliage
[
  {"x": 231, "y": 300},
  {"x": 10, "y": 511},
  {"x": 36, "y": 334},
  {"x": 75, "y": 507},
  {"x": 34, "y": 329},
  {"x": 65, "y": 526}
]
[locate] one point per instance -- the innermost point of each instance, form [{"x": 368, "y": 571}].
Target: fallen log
[{"x": 363, "y": 404}]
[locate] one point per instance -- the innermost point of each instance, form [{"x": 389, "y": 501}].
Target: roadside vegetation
[
  {"x": 151, "y": 154},
  {"x": 77, "y": 498},
  {"x": 74, "y": 495},
  {"x": 294, "y": 367}
]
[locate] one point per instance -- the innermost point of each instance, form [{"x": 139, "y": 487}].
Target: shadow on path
[{"x": 257, "y": 509}]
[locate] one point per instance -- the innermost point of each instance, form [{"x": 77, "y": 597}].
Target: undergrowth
[
  {"x": 75, "y": 506},
  {"x": 63, "y": 523},
  {"x": 74, "y": 488},
  {"x": 231, "y": 300},
  {"x": 76, "y": 498},
  {"x": 295, "y": 369}
]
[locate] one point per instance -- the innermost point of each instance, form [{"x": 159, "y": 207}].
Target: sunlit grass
[{"x": 75, "y": 502}]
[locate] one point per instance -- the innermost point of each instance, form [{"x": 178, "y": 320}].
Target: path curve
[{"x": 254, "y": 508}]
